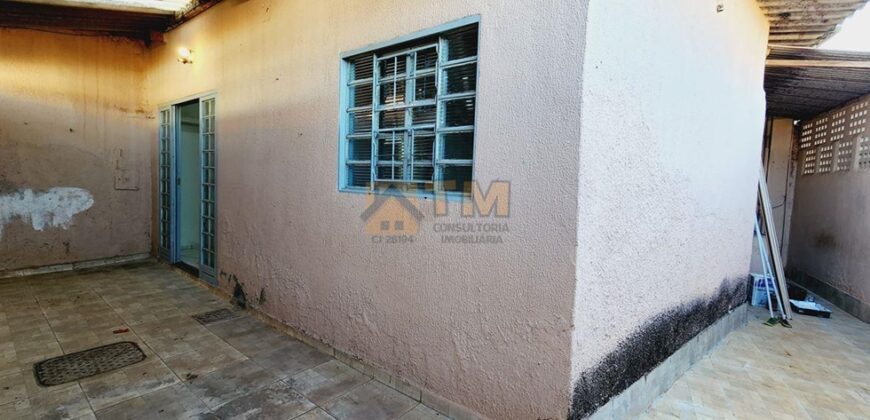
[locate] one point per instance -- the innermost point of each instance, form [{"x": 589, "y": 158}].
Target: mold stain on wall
[
  {"x": 650, "y": 345},
  {"x": 55, "y": 207}
]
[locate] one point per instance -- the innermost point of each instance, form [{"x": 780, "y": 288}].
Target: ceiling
[
  {"x": 138, "y": 19},
  {"x": 168, "y": 7},
  {"x": 806, "y": 23},
  {"x": 803, "y": 82}
]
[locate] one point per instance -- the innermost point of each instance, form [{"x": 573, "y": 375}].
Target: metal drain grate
[
  {"x": 206, "y": 318},
  {"x": 74, "y": 366}
]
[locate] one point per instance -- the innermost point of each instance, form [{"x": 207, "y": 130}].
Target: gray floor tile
[
  {"x": 231, "y": 382},
  {"x": 64, "y": 403},
  {"x": 173, "y": 402},
  {"x": 290, "y": 359},
  {"x": 327, "y": 381},
  {"x": 130, "y": 382},
  {"x": 204, "y": 360},
  {"x": 421, "y": 412},
  {"x": 16, "y": 411},
  {"x": 316, "y": 414},
  {"x": 201, "y": 369},
  {"x": 277, "y": 401},
  {"x": 373, "y": 400}
]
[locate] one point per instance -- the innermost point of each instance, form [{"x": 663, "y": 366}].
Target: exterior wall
[
  {"x": 74, "y": 149},
  {"x": 829, "y": 225},
  {"x": 484, "y": 325},
  {"x": 671, "y": 126}
]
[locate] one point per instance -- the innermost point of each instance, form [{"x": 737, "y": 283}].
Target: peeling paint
[{"x": 53, "y": 208}]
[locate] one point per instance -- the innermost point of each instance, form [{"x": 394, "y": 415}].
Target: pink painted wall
[
  {"x": 487, "y": 326},
  {"x": 72, "y": 116},
  {"x": 672, "y": 121}
]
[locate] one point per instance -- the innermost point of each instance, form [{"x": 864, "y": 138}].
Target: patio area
[
  {"x": 819, "y": 369},
  {"x": 234, "y": 368}
]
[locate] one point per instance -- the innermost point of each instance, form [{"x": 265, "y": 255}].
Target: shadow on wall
[{"x": 650, "y": 345}]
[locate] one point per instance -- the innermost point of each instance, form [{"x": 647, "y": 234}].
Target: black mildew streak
[{"x": 650, "y": 345}]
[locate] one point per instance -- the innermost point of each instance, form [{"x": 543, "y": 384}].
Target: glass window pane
[
  {"x": 424, "y": 145},
  {"x": 462, "y": 43},
  {"x": 359, "y": 175},
  {"x": 360, "y": 122},
  {"x": 391, "y": 146},
  {"x": 392, "y": 93},
  {"x": 392, "y": 119},
  {"x": 393, "y": 66},
  {"x": 461, "y": 78},
  {"x": 425, "y": 88},
  {"x": 423, "y": 115},
  {"x": 361, "y": 95},
  {"x": 457, "y": 145},
  {"x": 359, "y": 149},
  {"x": 459, "y": 112},
  {"x": 456, "y": 178},
  {"x": 426, "y": 59},
  {"x": 361, "y": 67},
  {"x": 423, "y": 173},
  {"x": 391, "y": 172}
]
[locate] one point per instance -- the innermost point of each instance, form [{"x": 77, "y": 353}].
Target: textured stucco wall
[
  {"x": 487, "y": 326},
  {"x": 72, "y": 119},
  {"x": 671, "y": 131},
  {"x": 829, "y": 227}
]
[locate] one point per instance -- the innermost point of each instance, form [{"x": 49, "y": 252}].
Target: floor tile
[
  {"x": 273, "y": 402},
  {"x": 63, "y": 403},
  {"x": 204, "y": 360},
  {"x": 421, "y": 412},
  {"x": 327, "y": 381},
  {"x": 172, "y": 402},
  {"x": 234, "y": 366},
  {"x": 373, "y": 400},
  {"x": 290, "y": 359},
  {"x": 229, "y": 383},
  {"x": 130, "y": 382},
  {"x": 315, "y": 414}
]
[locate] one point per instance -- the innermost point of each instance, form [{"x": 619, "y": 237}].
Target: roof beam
[{"x": 162, "y": 7}]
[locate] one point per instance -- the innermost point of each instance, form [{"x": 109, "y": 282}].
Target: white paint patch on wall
[{"x": 53, "y": 208}]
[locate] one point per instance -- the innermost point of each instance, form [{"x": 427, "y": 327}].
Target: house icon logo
[{"x": 391, "y": 213}]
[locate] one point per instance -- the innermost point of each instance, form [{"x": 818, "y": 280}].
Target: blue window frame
[{"x": 408, "y": 113}]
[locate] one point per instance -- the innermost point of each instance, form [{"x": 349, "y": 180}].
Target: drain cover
[
  {"x": 206, "y": 318},
  {"x": 74, "y": 366}
]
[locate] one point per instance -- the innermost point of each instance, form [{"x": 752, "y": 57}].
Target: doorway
[{"x": 187, "y": 186}]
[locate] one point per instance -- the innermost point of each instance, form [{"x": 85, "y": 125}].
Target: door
[{"x": 174, "y": 192}]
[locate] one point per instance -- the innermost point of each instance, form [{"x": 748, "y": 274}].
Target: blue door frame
[{"x": 167, "y": 203}]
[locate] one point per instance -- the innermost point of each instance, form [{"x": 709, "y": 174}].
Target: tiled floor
[
  {"x": 237, "y": 368},
  {"x": 819, "y": 369}
]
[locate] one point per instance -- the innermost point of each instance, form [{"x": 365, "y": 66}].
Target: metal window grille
[
  {"x": 410, "y": 114},
  {"x": 207, "y": 164},
  {"x": 165, "y": 182}
]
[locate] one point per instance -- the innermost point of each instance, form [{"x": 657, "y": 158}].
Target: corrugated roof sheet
[
  {"x": 804, "y": 91},
  {"x": 806, "y": 22}
]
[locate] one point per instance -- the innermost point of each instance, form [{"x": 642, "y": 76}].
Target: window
[{"x": 409, "y": 114}]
